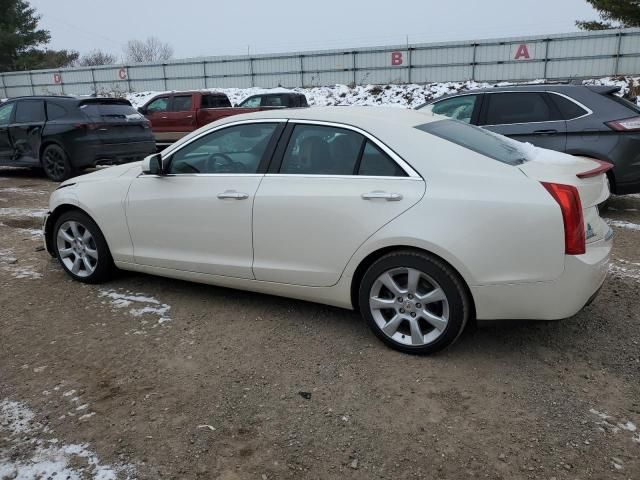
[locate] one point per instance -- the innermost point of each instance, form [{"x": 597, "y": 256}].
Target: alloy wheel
[
  {"x": 54, "y": 163},
  {"x": 409, "y": 306},
  {"x": 77, "y": 248}
]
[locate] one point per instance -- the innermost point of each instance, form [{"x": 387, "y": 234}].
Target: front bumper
[{"x": 581, "y": 280}]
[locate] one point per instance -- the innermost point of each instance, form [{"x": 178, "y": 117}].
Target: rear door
[
  {"x": 181, "y": 116},
  {"x": 116, "y": 121},
  {"x": 26, "y": 130},
  {"x": 525, "y": 116},
  {"x": 6, "y": 148},
  {"x": 330, "y": 189}
]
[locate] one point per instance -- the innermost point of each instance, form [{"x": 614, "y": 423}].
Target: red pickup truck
[{"x": 174, "y": 115}]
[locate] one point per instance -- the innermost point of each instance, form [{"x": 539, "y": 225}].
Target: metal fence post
[
  {"x": 253, "y": 82},
  {"x": 93, "y": 80},
  {"x": 354, "y": 55},
  {"x": 618, "y": 49},
  {"x": 3, "y": 86},
  {"x": 33, "y": 90},
  {"x": 301, "y": 71},
  {"x": 204, "y": 73},
  {"x": 546, "y": 57},
  {"x": 164, "y": 75},
  {"x": 410, "y": 65},
  {"x": 473, "y": 62}
]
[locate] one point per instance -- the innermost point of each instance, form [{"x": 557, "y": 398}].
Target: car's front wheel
[
  {"x": 81, "y": 248},
  {"x": 414, "y": 302},
  {"x": 56, "y": 163}
]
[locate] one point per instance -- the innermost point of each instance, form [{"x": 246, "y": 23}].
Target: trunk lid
[
  {"x": 115, "y": 120},
  {"x": 555, "y": 167}
]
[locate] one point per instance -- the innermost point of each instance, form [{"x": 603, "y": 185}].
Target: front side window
[
  {"x": 181, "y": 103},
  {"x": 30, "y": 111},
  {"x": 458, "y": 108},
  {"x": 237, "y": 149},
  {"x": 159, "y": 105},
  {"x": 510, "y": 108},
  {"x": 251, "y": 103},
  {"x": 477, "y": 140},
  {"x": 5, "y": 113}
]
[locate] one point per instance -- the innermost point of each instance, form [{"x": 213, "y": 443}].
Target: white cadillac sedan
[{"x": 419, "y": 222}]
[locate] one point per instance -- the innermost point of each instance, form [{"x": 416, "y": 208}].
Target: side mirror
[
  {"x": 142, "y": 110},
  {"x": 152, "y": 165}
]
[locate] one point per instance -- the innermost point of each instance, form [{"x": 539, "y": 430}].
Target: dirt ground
[{"x": 152, "y": 378}]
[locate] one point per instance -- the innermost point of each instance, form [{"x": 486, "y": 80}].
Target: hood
[{"x": 133, "y": 168}]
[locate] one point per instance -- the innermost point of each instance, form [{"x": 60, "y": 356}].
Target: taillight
[
  {"x": 625, "y": 125},
  {"x": 568, "y": 198}
]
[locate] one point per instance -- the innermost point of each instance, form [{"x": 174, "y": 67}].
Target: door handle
[
  {"x": 189, "y": 116},
  {"x": 233, "y": 195},
  {"x": 164, "y": 118},
  {"x": 546, "y": 132},
  {"x": 389, "y": 197}
]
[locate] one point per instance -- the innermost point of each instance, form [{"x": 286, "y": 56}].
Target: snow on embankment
[{"x": 408, "y": 95}]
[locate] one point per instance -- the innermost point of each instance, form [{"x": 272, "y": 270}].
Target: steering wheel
[{"x": 214, "y": 166}]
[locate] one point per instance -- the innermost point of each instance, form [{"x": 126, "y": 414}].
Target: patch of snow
[
  {"x": 23, "y": 212},
  {"x": 623, "y": 224},
  {"x": 35, "y": 233},
  {"x": 147, "y": 305},
  {"x": 86, "y": 416},
  {"x": 35, "y": 456},
  {"x": 608, "y": 423},
  {"x": 22, "y": 191},
  {"x": 8, "y": 263}
]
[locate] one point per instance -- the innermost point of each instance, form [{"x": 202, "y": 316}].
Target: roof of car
[
  {"x": 357, "y": 116},
  {"x": 43, "y": 97},
  {"x": 532, "y": 87}
]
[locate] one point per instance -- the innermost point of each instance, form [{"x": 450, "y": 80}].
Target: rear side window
[
  {"x": 55, "y": 111},
  {"x": 525, "y": 107},
  {"x": 5, "y": 113},
  {"x": 323, "y": 150},
  {"x": 478, "y": 140},
  {"x": 182, "y": 103},
  {"x": 303, "y": 101},
  {"x": 106, "y": 112},
  {"x": 30, "y": 111},
  {"x": 273, "y": 101},
  {"x": 568, "y": 108},
  {"x": 215, "y": 101}
]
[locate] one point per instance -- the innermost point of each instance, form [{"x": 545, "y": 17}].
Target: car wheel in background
[
  {"x": 414, "y": 302},
  {"x": 81, "y": 248},
  {"x": 56, "y": 164}
]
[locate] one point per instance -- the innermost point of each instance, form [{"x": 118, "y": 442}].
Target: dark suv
[
  {"x": 580, "y": 120},
  {"x": 63, "y": 134}
]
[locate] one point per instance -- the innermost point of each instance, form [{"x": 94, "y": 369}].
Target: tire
[
  {"x": 55, "y": 163},
  {"x": 81, "y": 248},
  {"x": 429, "y": 318}
]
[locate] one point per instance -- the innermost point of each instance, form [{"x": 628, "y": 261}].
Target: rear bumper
[
  {"x": 578, "y": 285},
  {"x": 114, "y": 153}
]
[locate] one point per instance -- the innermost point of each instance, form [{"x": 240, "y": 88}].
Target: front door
[
  {"x": 157, "y": 112},
  {"x": 6, "y": 149},
  {"x": 26, "y": 131},
  {"x": 525, "y": 116},
  {"x": 197, "y": 217},
  {"x": 334, "y": 189},
  {"x": 182, "y": 115}
]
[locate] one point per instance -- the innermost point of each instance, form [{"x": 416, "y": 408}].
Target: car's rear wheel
[
  {"x": 414, "y": 302},
  {"x": 81, "y": 248},
  {"x": 56, "y": 164}
]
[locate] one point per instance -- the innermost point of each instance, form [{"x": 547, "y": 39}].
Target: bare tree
[
  {"x": 149, "y": 50},
  {"x": 95, "y": 58}
]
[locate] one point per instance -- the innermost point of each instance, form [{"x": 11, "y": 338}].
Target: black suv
[
  {"x": 275, "y": 100},
  {"x": 580, "y": 120},
  {"x": 64, "y": 134}
]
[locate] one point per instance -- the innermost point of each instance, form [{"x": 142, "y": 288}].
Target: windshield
[{"x": 478, "y": 140}]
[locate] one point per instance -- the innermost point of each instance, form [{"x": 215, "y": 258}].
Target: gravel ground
[{"x": 154, "y": 378}]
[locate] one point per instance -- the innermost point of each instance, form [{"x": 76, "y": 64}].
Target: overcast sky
[{"x": 217, "y": 27}]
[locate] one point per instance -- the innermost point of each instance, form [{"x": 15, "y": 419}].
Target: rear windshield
[
  {"x": 623, "y": 101},
  {"x": 478, "y": 140},
  {"x": 105, "y": 112},
  {"x": 215, "y": 101}
]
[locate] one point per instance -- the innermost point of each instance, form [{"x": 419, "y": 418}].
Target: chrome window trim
[
  {"x": 364, "y": 177},
  {"x": 411, "y": 173}
]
